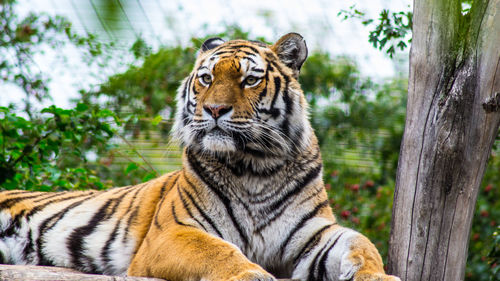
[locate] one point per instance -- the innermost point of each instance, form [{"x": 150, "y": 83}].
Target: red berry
[
  {"x": 334, "y": 173},
  {"x": 381, "y": 226},
  {"x": 484, "y": 213},
  {"x": 355, "y": 220},
  {"x": 355, "y": 210},
  {"x": 345, "y": 214},
  {"x": 488, "y": 188},
  {"x": 475, "y": 237},
  {"x": 328, "y": 186},
  {"x": 369, "y": 183},
  {"x": 493, "y": 223},
  {"x": 332, "y": 201},
  {"x": 355, "y": 187}
]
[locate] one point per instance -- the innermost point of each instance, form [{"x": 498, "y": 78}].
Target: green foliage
[
  {"x": 145, "y": 91},
  {"x": 360, "y": 203},
  {"x": 354, "y": 111},
  {"x": 47, "y": 149},
  {"x": 51, "y": 153},
  {"x": 390, "y": 30},
  {"x": 494, "y": 256},
  {"x": 483, "y": 262}
]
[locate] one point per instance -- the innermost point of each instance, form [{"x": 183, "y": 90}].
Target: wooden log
[
  {"x": 42, "y": 273},
  {"x": 45, "y": 273}
]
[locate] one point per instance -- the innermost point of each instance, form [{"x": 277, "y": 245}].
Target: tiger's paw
[
  {"x": 253, "y": 275},
  {"x": 356, "y": 269},
  {"x": 362, "y": 276}
]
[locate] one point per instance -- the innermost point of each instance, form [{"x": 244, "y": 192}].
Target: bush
[{"x": 52, "y": 153}]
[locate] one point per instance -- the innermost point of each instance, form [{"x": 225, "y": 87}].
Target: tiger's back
[{"x": 92, "y": 231}]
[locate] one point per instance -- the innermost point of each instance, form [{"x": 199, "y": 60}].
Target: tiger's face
[{"x": 243, "y": 97}]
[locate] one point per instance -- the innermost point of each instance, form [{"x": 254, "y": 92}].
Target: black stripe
[
  {"x": 301, "y": 223},
  {"x": 274, "y": 112},
  {"x": 132, "y": 213},
  {"x": 75, "y": 241},
  {"x": 163, "y": 197},
  {"x": 105, "y": 252},
  {"x": 130, "y": 220},
  {"x": 222, "y": 53},
  {"x": 108, "y": 267},
  {"x": 44, "y": 228},
  {"x": 188, "y": 210},
  {"x": 248, "y": 54},
  {"x": 12, "y": 201},
  {"x": 310, "y": 244},
  {"x": 286, "y": 97},
  {"x": 321, "y": 265},
  {"x": 232, "y": 47},
  {"x": 305, "y": 181},
  {"x": 50, "y": 202},
  {"x": 184, "y": 88},
  {"x": 203, "y": 214},
  {"x": 193, "y": 87},
  {"x": 13, "y": 192},
  {"x": 29, "y": 248},
  {"x": 266, "y": 78},
  {"x": 254, "y": 152},
  {"x": 176, "y": 219},
  {"x": 256, "y": 200},
  {"x": 257, "y": 70},
  {"x": 56, "y": 194},
  {"x": 277, "y": 86},
  {"x": 206, "y": 178},
  {"x": 279, "y": 205},
  {"x": 250, "y": 59},
  {"x": 316, "y": 192}
]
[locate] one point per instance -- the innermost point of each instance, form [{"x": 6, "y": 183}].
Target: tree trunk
[{"x": 452, "y": 119}]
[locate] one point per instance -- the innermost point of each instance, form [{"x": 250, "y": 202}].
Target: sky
[{"x": 176, "y": 21}]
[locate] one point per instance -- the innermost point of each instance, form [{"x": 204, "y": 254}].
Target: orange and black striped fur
[{"x": 248, "y": 204}]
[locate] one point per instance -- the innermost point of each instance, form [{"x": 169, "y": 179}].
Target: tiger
[{"x": 248, "y": 204}]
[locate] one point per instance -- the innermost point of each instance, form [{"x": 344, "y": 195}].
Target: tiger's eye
[
  {"x": 207, "y": 79},
  {"x": 250, "y": 80}
]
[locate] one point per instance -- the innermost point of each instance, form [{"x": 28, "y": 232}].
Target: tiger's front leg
[
  {"x": 338, "y": 253},
  {"x": 187, "y": 253}
]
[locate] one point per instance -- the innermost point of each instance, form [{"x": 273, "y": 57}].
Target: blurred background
[{"x": 87, "y": 96}]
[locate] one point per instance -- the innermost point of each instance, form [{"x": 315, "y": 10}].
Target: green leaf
[
  {"x": 131, "y": 167},
  {"x": 149, "y": 176},
  {"x": 81, "y": 107},
  {"x": 156, "y": 120}
]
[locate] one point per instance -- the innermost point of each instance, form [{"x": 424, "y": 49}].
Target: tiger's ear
[
  {"x": 292, "y": 51},
  {"x": 211, "y": 43}
]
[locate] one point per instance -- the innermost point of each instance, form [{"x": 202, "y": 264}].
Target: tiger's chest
[{"x": 259, "y": 221}]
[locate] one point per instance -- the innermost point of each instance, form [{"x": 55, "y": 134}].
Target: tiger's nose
[{"x": 217, "y": 110}]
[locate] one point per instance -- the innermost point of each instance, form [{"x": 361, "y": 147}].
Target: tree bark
[{"x": 452, "y": 120}]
